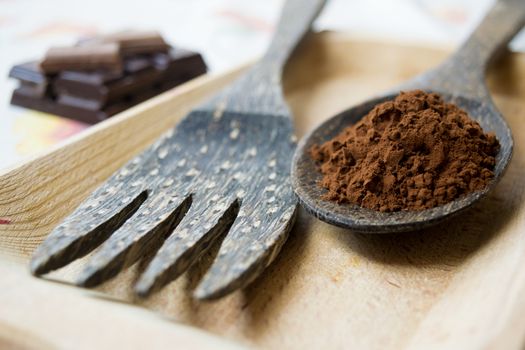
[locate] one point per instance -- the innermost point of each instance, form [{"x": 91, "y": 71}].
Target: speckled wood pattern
[{"x": 225, "y": 169}]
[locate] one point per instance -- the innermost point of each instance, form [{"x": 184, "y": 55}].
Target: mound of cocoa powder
[{"x": 415, "y": 152}]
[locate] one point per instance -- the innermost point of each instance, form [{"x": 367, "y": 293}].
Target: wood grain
[{"x": 460, "y": 285}]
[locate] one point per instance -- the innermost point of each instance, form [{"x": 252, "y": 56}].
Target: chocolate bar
[
  {"x": 97, "y": 95},
  {"x": 139, "y": 72},
  {"x": 102, "y": 56},
  {"x": 104, "y": 75}
]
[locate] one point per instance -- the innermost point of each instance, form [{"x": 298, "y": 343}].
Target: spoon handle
[{"x": 464, "y": 72}]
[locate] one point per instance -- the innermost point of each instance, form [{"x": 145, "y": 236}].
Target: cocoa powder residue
[{"x": 413, "y": 153}]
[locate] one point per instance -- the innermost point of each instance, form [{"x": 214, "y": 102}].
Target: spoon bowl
[
  {"x": 459, "y": 80},
  {"x": 306, "y": 175}
]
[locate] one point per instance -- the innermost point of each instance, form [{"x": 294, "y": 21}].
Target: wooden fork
[{"x": 224, "y": 168}]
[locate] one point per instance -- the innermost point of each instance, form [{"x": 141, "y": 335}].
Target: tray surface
[{"x": 460, "y": 284}]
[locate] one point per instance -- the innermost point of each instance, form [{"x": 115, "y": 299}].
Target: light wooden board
[{"x": 458, "y": 285}]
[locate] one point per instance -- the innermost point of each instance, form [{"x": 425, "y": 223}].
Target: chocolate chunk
[
  {"x": 136, "y": 64},
  {"x": 88, "y": 116},
  {"x": 79, "y": 102},
  {"x": 179, "y": 60},
  {"x": 77, "y": 109},
  {"x": 107, "y": 88},
  {"x": 132, "y": 42},
  {"x": 31, "y": 78},
  {"x": 28, "y": 72},
  {"x": 92, "y": 95},
  {"x": 102, "y": 56},
  {"x": 38, "y": 90},
  {"x": 48, "y": 105}
]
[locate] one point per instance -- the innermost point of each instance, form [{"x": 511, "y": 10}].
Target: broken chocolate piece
[
  {"x": 91, "y": 97},
  {"x": 31, "y": 78},
  {"x": 81, "y": 82},
  {"x": 102, "y": 56},
  {"x": 132, "y": 42},
  {"x": 143, "y": 73},
  {"x": 88, "y": 116}
]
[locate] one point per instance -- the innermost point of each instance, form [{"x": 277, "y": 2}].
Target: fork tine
[
  {"x": 250, "y": 246},
  {"x": 192, "y": 238},
  {"x": 87, "y": 227},
  {"x": 138, "y": 236}
]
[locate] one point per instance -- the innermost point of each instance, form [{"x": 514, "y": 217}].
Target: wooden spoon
[{"x": 460, "y": 80}]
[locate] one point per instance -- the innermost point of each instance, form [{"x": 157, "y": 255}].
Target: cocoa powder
[{"x": 413, "y": 153}]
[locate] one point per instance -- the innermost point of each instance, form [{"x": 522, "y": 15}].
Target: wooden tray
[{"x": 459, "y": 285}]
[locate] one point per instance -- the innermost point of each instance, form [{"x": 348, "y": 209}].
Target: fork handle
[
  {"x": 295, "y": 21},
  {"x": 464, "y": 72},
  {"x": 259, "y": 90}
]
